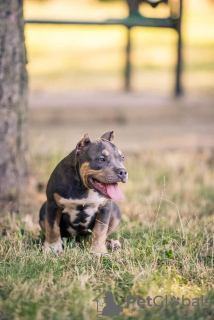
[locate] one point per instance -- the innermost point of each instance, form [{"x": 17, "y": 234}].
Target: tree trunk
[{"x": 13, "y": 102}]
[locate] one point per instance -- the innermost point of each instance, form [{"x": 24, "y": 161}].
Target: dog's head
[{"x": 101, "y": 165}]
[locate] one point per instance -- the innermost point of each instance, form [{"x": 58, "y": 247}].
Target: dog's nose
[{"x": 122, "y": 173}]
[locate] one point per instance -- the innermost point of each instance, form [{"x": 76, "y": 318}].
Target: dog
[{"x": 81, "y": 195}]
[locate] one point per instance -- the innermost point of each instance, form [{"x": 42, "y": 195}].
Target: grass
[{"x": 167, "y": 239}]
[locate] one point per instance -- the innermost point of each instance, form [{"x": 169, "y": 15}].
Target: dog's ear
[
  {"x": 108, "y": 136},
  {"x": 83, "y": 143}
]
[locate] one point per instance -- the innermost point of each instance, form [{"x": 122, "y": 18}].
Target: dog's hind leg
[
  {"x": 53, "y": 241},
  {"x": 42, "y": 216}
]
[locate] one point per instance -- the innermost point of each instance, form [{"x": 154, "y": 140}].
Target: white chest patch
[
  {"x": 92, "y": 202},
  {"x": 93, "y": 199}
]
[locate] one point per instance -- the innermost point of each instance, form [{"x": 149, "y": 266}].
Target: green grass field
[{"x": 167, "y": 247}]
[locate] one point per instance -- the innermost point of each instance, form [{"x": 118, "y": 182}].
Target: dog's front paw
[
  {"x": 99, "y": 249},
  {"x": 113, "y": 244},
  {"x": 55, "y": 247}
]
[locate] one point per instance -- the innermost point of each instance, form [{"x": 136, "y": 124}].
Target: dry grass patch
[{"x": 167, "y": 239}]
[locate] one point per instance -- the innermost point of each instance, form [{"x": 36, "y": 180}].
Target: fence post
[
  {"x": 128, "y": 61},
  {"x": 178, "y": 85},
  {"x": 133, "y": 6}
]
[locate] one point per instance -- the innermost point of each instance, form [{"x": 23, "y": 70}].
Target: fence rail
[{"x": 133, "y": 20}]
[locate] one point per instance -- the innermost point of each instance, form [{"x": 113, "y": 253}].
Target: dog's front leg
[
  {"x": 100, "y": 230},
  {"x": 53, "y": 241}
]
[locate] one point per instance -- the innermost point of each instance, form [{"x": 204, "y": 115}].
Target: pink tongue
[{"x": 114, "y": 192}]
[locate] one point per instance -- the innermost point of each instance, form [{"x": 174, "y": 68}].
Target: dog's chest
[{"x": 78, "y": 215}]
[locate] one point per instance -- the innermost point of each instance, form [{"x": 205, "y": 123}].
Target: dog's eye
[
  {"x": 101, "y": 159},
  {"x": 122, "y": 158}
]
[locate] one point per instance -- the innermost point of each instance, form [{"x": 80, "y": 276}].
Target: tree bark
[{"x": 13, "y": 102}]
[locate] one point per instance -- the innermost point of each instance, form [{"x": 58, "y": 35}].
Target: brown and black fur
[{"x": 74, "y": 206}]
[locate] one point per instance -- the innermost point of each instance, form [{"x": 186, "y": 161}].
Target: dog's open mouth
[{"x": 111, "y": 190}]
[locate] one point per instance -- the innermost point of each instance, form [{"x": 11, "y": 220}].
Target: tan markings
[
  {"x": 98, "y": 237},
  {"x": 85, "y": 139},
  {"x": 120, "y": 153},
  {"x": 112, "y": 136},
  {"x": 105, "y": 153},
  {"x": 113, "y": 225},
  {"x": 86, "y": 171},
  {"x": 57, "y": 198},
  {"x": 52, "y": 234},
  {"x": 42, "y": 224},
  {"x": 62, "y": 202}
]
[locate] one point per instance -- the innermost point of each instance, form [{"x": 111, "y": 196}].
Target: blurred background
[
  {"x": 76, "y": 77},
  {"x": 76, "y": 85}
]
